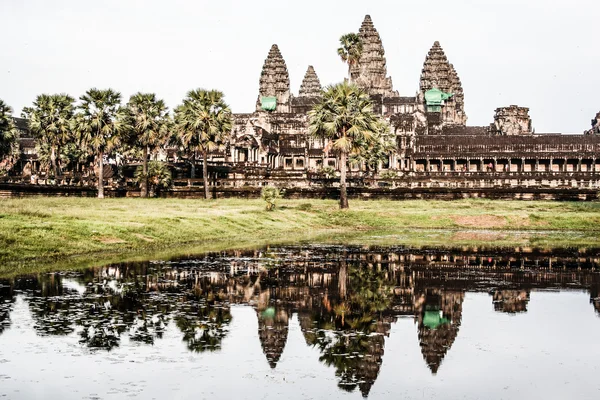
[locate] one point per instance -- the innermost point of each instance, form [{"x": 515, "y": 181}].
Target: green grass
[{"x": 38, "y": 234}]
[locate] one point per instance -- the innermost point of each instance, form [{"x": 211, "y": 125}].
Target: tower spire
[
  {"x": 311, "y": 86},
  {"x": 438, "y": 73},
  {"x": 370, "y": 71},
  {"x": 274, "y": 82}
]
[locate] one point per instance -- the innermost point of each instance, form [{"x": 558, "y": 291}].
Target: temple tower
[
  {"x": 595, "y": 126},
  {"x": 311, "y": 86},
  {"x": 440, "y": 88},
  {"x": 512, "y": 120},
  {"x": 274, "y": 90},
  {"x": 370, "y": 71}
]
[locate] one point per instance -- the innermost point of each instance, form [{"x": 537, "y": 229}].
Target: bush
[
  {"x": 388, "y": 175},
  {"x": 270, "y": 194},
  {"x": 327, "y": 172},
  {"x": 159, "y": 177}
]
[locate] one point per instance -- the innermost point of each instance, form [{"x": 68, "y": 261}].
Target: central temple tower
[{"x": 370, "y": 71}]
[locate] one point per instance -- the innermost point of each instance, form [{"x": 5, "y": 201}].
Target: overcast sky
[{"x": 542, "y": 54}]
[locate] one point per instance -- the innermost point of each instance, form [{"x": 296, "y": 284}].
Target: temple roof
[
  {"x": 311, "y": 86},
  {"x": 274, "y": 78}
]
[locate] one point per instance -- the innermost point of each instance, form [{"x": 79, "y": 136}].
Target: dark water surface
[{"x": 322, "y": 322}]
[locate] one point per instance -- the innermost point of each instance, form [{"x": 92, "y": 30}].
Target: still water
[{"x": 309, "y": 322}]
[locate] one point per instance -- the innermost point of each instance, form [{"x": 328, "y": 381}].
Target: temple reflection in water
[{"x": 346, "y": 299}]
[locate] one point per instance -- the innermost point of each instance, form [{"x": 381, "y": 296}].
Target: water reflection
[{"x": 346, "y": 299}]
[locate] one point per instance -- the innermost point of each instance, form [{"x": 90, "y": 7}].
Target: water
[{"x": 309, "y": 322}]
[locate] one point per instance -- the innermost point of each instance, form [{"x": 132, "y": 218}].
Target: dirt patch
[
  {"x": 109, "y": 240},
  {"x": 479, "y": 221},
  {"x": 143, "y": 237}
]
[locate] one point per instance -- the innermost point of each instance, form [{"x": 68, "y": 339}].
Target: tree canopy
[
  {"x": 203, "y": 122},
  {"x": 344, "y": 117},
  {"x": 8, "y": 131}
]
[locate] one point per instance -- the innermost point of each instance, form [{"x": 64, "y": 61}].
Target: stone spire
[
  {"x": 438, "y": 73},
  {"x": 370, "y": 71},
  {"x": 275, "y": 81},
  {"x": 311, "y": 86}
]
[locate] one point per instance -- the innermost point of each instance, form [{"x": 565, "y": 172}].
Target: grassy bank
[{"x": 46, "y": 233}]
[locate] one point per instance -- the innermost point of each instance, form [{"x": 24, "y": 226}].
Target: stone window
[
  {"x": 299, "y": 163},
  {"x": 289, "y": 162}
]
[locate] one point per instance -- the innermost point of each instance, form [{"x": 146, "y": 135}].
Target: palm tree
[
  {"x": 50, "y": 121},
  {"x": 99, "y": 125},
  {"x": 148, "y": 126},
  {"x": 350, "y": 50},
  {"x": 376, "y": 151},
  {"x": 8, "y": 131},
  {"x": 345, "y": 118},
  {"x": 203, "y": 122}
]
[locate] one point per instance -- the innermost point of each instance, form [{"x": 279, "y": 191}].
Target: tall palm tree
[
  {"x": 99, "y": 125},
  {"x": 148, "y": 127},
  {"x": 350, "y": 50},
  {"x": 50, "y": 121},
  {"x": 204, "y": 122},
  {"x": 345, "y": 118},
  {"x": 8, "y": 131}
]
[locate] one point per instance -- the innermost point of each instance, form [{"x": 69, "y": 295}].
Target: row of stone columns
[{"x": 484, "y": 164}]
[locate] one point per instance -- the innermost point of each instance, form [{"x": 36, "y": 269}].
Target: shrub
[
  {"x": 159, "y": 177},
  {"x": 388, "y": 175},
  {"x": 327, "y": 172},
  {"x": 270, "y": 194}
]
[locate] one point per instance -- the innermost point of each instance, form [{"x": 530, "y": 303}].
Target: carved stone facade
[{"x": 512, "y": 120}]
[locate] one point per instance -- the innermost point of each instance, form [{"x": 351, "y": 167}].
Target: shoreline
[{"x": 43, "y": 234}]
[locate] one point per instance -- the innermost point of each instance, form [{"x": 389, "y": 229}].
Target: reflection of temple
[
  {"x": 438, "y": 314},
  {"x": 510, "y": 301},
  {"x": 346, "y": 299},
  {"x": 273, "y": 332}
]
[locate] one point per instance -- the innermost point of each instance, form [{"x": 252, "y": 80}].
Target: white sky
[{"x": 542, "y": 54}]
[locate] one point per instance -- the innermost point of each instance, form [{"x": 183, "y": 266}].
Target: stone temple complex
[
  {"x": 435, "y": 146},
  {"x": 437, "y": 154}
]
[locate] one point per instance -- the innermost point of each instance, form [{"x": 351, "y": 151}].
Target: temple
[
  {"x": 437, "y": 154},
  {"x": 435, "y": 146}
]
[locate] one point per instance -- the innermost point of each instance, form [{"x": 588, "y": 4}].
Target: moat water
[{"x": 311, "y": 322}]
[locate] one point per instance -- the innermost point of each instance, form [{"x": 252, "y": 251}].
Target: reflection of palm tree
[
  {"x": 595, "y": 297},
  {"x": 355, "y": 350},
  {"x": 203, "y": 326},
  {"x": 7, "y": 299}
]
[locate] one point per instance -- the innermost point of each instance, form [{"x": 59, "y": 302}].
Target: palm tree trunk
[
  {"x": 144, "y": 186},
  {"x": 343, "y": 278},
  {"x": 53, "y": 160},
  {"x": 205, "y": 173},
  {"x": 101, "y": 175},
  {"x": 343, "y": 192}
]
